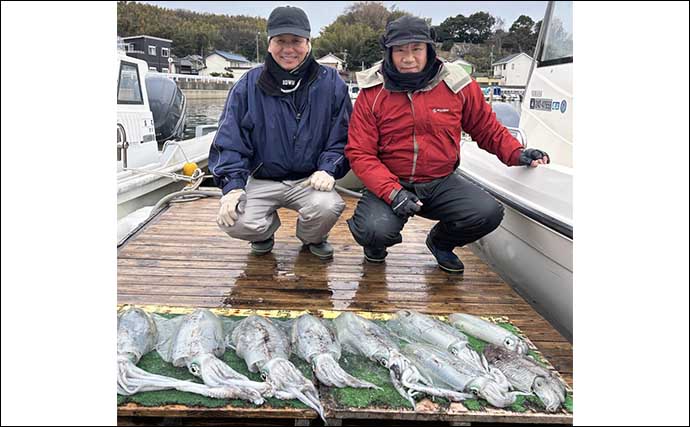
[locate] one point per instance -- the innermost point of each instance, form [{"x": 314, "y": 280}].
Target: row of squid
[{"x": 434, "y": 359}]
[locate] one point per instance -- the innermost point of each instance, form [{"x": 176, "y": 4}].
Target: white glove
[
  {"x": 230, "y": 207},
  {"x": 321, "y": 181}
]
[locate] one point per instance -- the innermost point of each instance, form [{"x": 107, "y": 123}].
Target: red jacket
[{"x": 415, "y": 137}]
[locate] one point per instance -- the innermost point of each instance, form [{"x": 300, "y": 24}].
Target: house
[
  {"x": 182, "y": 66},
  {"x": 464, "y": 64},
  {"x": 513, "y": 70},
  {"x": 197, "y": 62},
  {"x": 154, "y": 50},
  {"x": 222, "y": 62},
  {"x": 331, "y": 60},
  {"x": 190, "y": 64}
]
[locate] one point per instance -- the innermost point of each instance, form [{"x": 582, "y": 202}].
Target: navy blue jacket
[{"x": 263, "y": 136}]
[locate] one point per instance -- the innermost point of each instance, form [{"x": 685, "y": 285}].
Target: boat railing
[{"x": 202, "y": 130}]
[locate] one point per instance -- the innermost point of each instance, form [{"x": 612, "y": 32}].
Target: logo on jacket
[
  {"x": 440, "y": 110},
  {"x": 288, "y": 82}
]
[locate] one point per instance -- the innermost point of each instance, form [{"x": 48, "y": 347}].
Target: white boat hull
[
  {"x": 536, "y": 262},
  {"x": 532, "y": 249},
  {"x": 145, "y": 187}
]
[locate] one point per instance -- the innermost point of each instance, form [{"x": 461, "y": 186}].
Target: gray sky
[{"x": 322, "y": 13}]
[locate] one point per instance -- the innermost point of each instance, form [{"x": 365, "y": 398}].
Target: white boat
[
  {"x": 532, "y": 249},
  {"x": 150, "y": 155}
]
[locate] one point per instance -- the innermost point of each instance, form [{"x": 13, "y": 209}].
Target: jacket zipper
[{"x": 414, "y": 139}]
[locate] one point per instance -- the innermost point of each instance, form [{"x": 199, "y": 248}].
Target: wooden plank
[
  {"x": 344, "y": 278},
  {"x": 132, "y": 409},
  {"x": 184, "y": 259}
]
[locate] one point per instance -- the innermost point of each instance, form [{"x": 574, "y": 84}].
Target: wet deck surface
[{"x": 183, "y": 259}]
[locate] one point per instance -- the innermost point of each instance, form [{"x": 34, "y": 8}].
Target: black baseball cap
[
  {"x": 406, "y": 29},
  {"x": 288, "y": 20}
]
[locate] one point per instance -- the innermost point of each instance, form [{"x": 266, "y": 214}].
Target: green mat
[
  {"x": 358, "y": 366},
  {"x": 152, "y": 362}
]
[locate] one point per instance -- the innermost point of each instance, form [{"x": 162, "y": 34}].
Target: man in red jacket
[{"x": 404, "y": 144}]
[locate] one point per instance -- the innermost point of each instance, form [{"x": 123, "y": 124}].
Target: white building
[
  {"x": 513, "y": 69},
  {"x": 226, "y": 62},
  {"x": 331, "y": 61}
]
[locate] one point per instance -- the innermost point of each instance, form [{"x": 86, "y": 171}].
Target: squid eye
[
  {"x": 194, "y": 369},
  {"x": 475, "y": 392},
  {"x": 264, "y": 376},
  {"x": 384, "y": 362}
]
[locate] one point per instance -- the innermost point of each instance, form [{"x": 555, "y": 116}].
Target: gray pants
[{"x": 318, "y": 210}]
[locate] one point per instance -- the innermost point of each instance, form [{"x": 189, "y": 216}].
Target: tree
[
  {"x": 360, "y": 41},
  {"x": 191, "y": 32},
  {"x": 479, "y": 27},
  {"x": 475, "y": 28},
  {"x": 454, "y": 28},
  {"x": 357, "y": 31},
  {"x": 373, "y": 14},
  {"x": 520, "y": 34},
  {"x": 535, "y": 37},
  {"x": 479, "y": 56}
]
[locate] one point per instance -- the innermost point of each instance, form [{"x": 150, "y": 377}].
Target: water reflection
[{"x": 204, "y": 111}]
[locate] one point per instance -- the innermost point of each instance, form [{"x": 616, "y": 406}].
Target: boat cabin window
[
  {"x": 152, "y": 50},
  {"x": 165, "y": 52},
  {"x": 129, "y": 84},
  {"x": 558, "y": 40}
]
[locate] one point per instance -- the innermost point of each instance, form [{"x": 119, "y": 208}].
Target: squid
[
  {"x": 363, "y": 337},
  {"x": 412, "y": 326},
  {"x": 315, "y": 343},
  {"x": 528, "y": 376},
  {"x": 136, "y": 336},
  {"x": 265, "y": 348},
  {"x": 196, "y": 341},
  {"x": 488, "y": 332}
]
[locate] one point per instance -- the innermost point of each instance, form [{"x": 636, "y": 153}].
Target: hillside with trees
[
  {"x": 354, "y": 36},
  {"x": 193, "y": 32}
]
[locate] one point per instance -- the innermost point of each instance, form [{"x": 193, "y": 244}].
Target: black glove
[
  {"x": 405, "y": 204},
  {"x": 528, "y": 155}
]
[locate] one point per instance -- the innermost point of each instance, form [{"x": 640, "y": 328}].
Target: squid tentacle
[{"x": 331, "y": 374}]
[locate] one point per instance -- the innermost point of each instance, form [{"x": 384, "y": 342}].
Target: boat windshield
[
  {"x": 129, "y": 87},
  {"x": 558, "y": 42}
]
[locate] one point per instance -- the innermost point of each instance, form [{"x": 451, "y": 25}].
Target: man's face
[
  {"x": 409, "y": 58},
  {"x": 288, "y": 50}
]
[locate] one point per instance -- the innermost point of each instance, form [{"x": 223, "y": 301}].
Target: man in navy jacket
[{"x": 280, "y": 142}]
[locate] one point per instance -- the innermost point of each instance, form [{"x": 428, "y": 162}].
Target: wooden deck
[{"x": 183, "y": 259}]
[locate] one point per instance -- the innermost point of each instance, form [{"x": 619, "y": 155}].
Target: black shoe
[
  {"x": 322, "y": 250},
  {"x": 263, "y": 247},
  {"x": 375, "y": 255},
  {"x": 447, "y": 260}
]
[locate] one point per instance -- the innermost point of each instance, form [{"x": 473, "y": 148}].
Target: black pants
[{"x": 465, "y": 213}]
